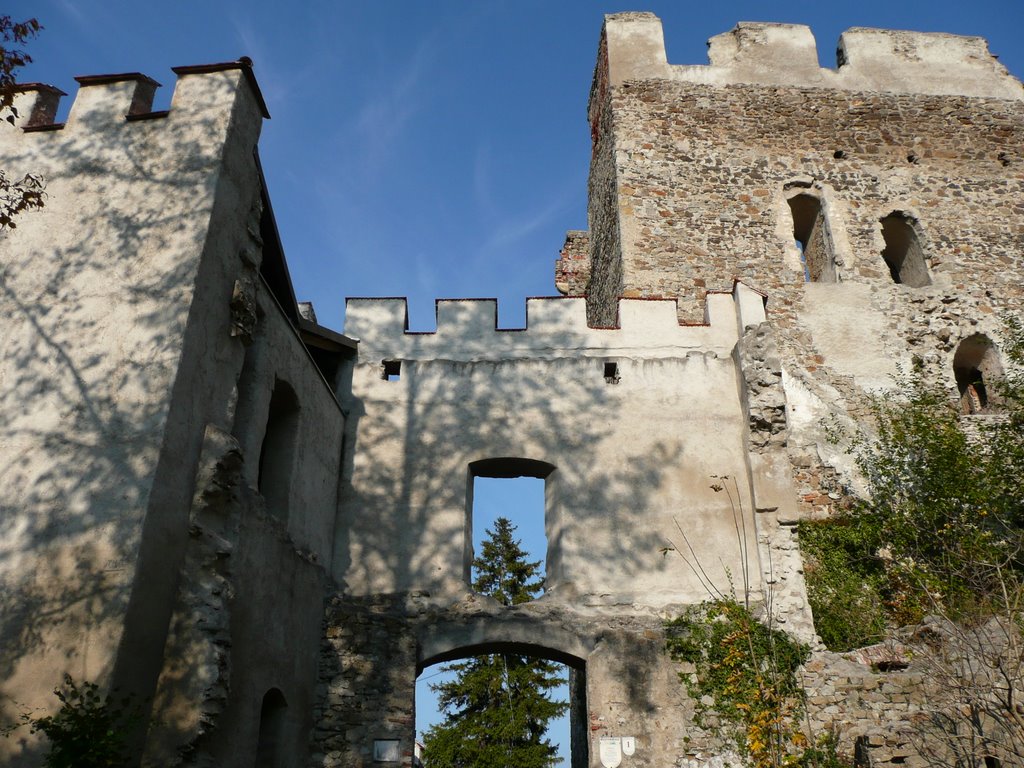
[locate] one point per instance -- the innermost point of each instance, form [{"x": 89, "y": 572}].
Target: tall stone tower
[{"x": 878, "y": 205}]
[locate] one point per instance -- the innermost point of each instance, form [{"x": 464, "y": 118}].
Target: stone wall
[
  {"x": 706, "y": 159},
  {"x": 140, "y": 549},
  {"x": 203, "y": 466},
  {"x": 428, "y": 410},
  {"x": 109, "y": 296},
  {"x": 374, "y": 647},
  {"x": 572, "y": 270},
  {"x": 718, "y": 170}
]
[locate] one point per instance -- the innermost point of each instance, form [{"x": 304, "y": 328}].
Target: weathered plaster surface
[{"x": 135, "y": 551}]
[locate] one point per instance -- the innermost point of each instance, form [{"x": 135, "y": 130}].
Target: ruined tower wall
[
  {"x": 130, "y": 300},
  {"x": 706, "y": 161},
  {"x": 763, "y": 166}
]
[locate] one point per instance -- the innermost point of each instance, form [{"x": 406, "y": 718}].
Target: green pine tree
[{"x": 498, "y": 706}]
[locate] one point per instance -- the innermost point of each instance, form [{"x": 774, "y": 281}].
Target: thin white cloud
[
  {"x": 383, "y": 119},
  {"x": 517, "y": 227},
  {"x": 254, "y": 44},
  {"x": 482, "y": 182},
  {"x": 76, "y": 13}
]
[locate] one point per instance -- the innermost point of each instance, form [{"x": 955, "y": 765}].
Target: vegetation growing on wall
[
  {"x": 745, "y": 682},
  {"x": 937, "y": 544},
  {"x": 940, "y": 531},
  {"x": 89, "y": 730},
  {"x": 743, "y": 674}
]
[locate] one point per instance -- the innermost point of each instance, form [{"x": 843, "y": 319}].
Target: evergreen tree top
[
  {"x": 502, "y": 570},
  {"x": 498, "y": 706}
]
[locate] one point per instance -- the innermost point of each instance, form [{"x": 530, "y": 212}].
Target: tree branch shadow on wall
[
  {"x": 408, "y": 467},
  {"x": 95, "y": 290}
]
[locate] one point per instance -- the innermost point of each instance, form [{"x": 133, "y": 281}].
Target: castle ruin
[{"x": 263, "y": 526}]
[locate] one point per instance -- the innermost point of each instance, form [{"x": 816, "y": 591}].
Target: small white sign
[
  {"x": 628, "y": 745},
  {"x": 611, "y": 751}
]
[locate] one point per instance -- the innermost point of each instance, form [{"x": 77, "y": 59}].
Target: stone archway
[{"x": 521, "y": 630}]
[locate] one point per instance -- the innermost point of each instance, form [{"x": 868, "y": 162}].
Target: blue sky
[{"x": 431, "y": 149}]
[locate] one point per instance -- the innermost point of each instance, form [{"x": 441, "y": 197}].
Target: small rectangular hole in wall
[
  {"x": 611, "y": 373},
  {"x": 391, "y": 370},
  {"x": 386, "y": 751}
]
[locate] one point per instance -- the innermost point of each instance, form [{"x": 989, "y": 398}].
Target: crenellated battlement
[
  {"x": 117, "y": 98},
  {"x": 467, "y": 328},
  {"x": 786, "y": 55}
]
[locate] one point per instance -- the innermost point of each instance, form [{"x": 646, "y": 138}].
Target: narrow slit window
[
  {"x": 391, "y": 370},
  {"x": 903, "y": 254},
  {"x": 278, "y": 449},
  {"x": 813, "y": 239}
]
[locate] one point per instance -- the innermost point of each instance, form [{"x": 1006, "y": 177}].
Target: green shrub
[
  {"x": 90, "y": 730},
  {"x": 940, "y": 528},
  {"x": 845, "y": 580},
  {"x": 748, "y": 673}
]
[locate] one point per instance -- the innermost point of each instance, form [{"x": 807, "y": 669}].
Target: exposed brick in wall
[{"x": 572, "y": 270}]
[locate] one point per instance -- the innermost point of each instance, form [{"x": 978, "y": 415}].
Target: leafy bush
[
  {"x": 845, "y": 580},
  {"x": 940, "y": 531},
  {"x": 90, "y": 730},
  {"x": 745, "y": 674}
]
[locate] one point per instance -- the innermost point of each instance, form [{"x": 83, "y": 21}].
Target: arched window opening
[
  {"x": 270, "y": 748},
  {"x": 903, "y": 253},
  {"x": 507, "y": 506},
  {"x": 976, "y": 367},
  {"x": 813, "y": 238},
  {"x": 507, "y": 690},
  {"x": 278, "y": 450}
]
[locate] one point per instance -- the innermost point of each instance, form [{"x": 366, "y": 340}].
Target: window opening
[
  {"x": 519, "y": 500},
  {"x": 976, "y": 366},
  {"x": 611, "y": 373},
  {"x": 903, "y": 254},
  {"x": 270, "y": 748},
  {"x": 391, "y": 370},
  {"x": 278, "y": 449},
  {"x": 515, "y": 489},
  {"x": 813, "y": 239}
]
